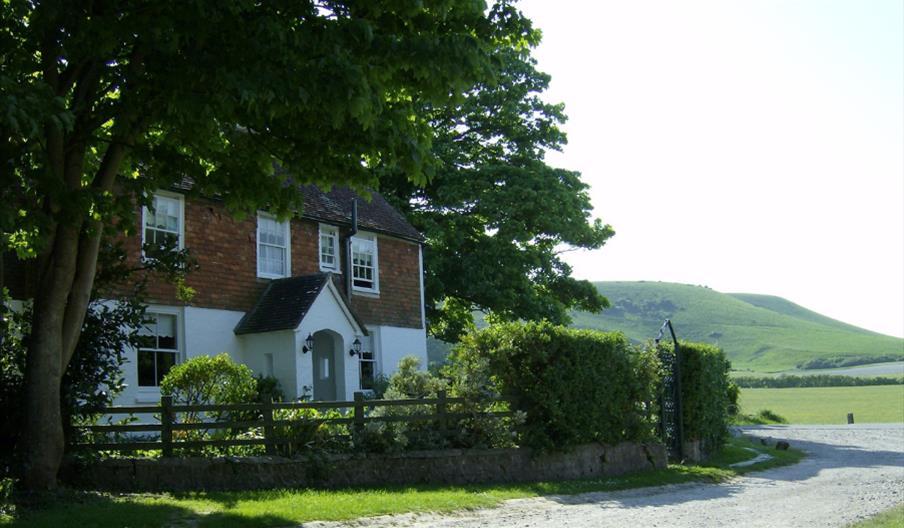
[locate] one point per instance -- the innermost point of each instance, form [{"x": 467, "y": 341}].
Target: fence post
[
  {"x": 267, "y": 411},
  {"x": 441, "y": 413},
  {"x": 359, "y": 412},
  {"x": 166, "y": 425}
]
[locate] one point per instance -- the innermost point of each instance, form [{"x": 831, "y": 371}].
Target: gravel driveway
[{"x": 851, "y": 472}]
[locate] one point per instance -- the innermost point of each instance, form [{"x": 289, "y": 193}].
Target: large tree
[
  {"x": 101, "y": 102},
  {"x": 496, "y": 216}
]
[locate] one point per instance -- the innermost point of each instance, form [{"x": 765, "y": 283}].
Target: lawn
[
  {"x": 828, "y": 405},
  {"x": 259, "y": 509}
]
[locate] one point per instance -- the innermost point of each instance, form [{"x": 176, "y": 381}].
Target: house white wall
[
  {"x": 205, "y": 331},
  {"x": 285, "y": 362},
  {"x": 392, "y": 343},
  {"x": 210, "y": 333}
]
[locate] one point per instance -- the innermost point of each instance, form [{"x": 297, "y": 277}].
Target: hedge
[
  {"x": 575, "y": 386},
  {"x": 705, "y": 394}
]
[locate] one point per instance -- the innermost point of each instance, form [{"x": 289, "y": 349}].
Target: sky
[{"x": 748, "y": 146}]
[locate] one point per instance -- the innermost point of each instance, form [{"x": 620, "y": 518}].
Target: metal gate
[{"x": 671, "y": 428}]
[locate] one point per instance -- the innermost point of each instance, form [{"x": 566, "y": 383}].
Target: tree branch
[{"x": 80, "y": 293}]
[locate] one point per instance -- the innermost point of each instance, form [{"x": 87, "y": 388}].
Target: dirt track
[{"x": 851, "y": 472}]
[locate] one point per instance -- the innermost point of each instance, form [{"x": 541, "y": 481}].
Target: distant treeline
[
  {"x": 846, "y": 361},
  {"x": 824, "y": 380}
]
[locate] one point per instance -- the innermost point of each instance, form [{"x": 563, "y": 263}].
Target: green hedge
[
  {"x": 575, "y": 386},
  {"x": 705, "y": 394}
]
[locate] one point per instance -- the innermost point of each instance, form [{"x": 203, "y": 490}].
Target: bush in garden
[
  {"x": 267, "y": 389},
  {"x": 306, "y": 433},
  {"x": 575, "y": 386},
  {"x": 209, "y": 380},
  {"x": 408, "y": 382}
]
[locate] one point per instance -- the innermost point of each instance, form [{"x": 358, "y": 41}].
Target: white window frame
[
  {"x": 372, "y": 240},
  {"x": 177, "y": 352},
  {"x": 286, "y": 226},
  {"x": 331, "y": 232},
  {"x": 144, "y": 218}
]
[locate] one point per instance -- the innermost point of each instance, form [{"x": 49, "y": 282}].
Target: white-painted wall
[
  {"x": 282, "y": 346},
  {"x": 392, "y": 343},
  {"x": 209, "y": 332}
]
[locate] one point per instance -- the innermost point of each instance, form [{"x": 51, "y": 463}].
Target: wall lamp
[
  {"x": 308, "y": 344},
  {"x": 356, "y": 348}
]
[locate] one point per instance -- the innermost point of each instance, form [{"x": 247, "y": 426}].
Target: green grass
[
  {"x": 828, "y": 405},
  {"x": 893, "y": 518},
  {"x": 759, "y": 333},
  {"x": 258, "y": 509}
]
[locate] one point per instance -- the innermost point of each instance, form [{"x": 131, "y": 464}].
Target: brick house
[{"x": 322, "y": 308}]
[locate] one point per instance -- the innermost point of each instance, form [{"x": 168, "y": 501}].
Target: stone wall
[{"x": 425, "y": 467}]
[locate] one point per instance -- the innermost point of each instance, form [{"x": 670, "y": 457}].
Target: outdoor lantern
[
  {"x": 356, "y": 348},
  {"x": 308, "y": 344}
]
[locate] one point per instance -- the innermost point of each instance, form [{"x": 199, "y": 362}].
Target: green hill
[{"x": 758, "y": 332}]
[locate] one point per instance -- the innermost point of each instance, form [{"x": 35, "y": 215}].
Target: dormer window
[
  {"x": 329, "y": 248},
  {"x": 365, "y": 274},
  {"x": 272, "y": 247},
  {"x": 163, "y": 222}
]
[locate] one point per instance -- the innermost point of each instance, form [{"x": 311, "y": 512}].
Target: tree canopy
[
  {"x": 103, "y": 102},
  {"x": 496, "y": 216}
]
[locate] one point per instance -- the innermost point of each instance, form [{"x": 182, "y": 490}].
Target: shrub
[
  {"x": 209, "y": 380},
  {"x": 305, "y": 432},
  {"x": 267, "y": 389},
  {"x": 575, "y": 386},
  {"x": 409, "y": 382},
  {"x": 706, "y": 394}
]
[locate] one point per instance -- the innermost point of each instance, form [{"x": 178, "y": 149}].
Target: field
[
  {"x": 759, "y": 333},
  {"x": 829, "y": 405}
]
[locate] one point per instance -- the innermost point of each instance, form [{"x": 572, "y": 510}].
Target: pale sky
[{"x": 750, "y": 146}]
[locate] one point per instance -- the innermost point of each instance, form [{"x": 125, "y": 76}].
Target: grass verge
[
  {"x": 893, "y": 518},
  {"x": 258, "y": 509}
]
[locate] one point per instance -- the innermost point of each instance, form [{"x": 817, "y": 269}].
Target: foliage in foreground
[{"x": 259, "y": 509}]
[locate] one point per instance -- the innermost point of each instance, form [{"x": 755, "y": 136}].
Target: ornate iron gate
[{"x": 671, "y": 429}]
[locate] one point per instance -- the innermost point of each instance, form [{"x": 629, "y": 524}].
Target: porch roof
[{"x": 285, "y": 302}]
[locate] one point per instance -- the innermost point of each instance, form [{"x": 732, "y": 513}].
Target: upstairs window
[
  {"x": 365, "y": 275},
  {"x": 329, "y": 248},
  {"x": 164, "y": 222},
  {"x": 272, "y": 247},
  {"x": 158, "y": 349}
]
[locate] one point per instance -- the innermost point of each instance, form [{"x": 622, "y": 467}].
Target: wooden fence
[{"x": 354, "y": 414}]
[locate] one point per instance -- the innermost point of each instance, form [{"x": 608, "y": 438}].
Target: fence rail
[{"x": 355, "y": 415}]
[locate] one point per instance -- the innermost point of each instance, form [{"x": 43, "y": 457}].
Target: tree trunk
[{"x": 44, "y": 442}]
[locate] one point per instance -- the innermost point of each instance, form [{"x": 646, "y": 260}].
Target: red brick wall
[
  {"x": 226, "y": 252},
  {"x": 400, "y": 297}
]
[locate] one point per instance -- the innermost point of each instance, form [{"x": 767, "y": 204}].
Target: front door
[{"x": 324, "y": 367}]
